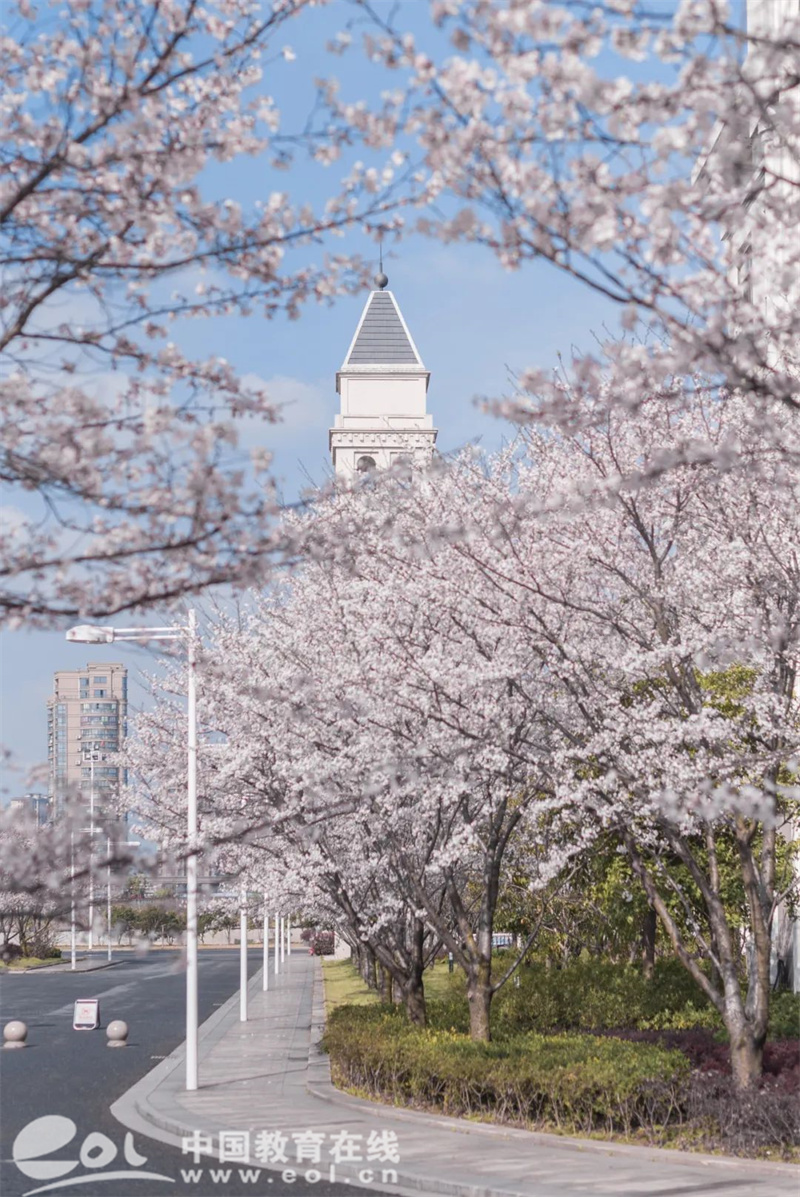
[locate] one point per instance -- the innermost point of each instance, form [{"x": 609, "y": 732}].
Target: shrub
[
  {"x": 41, "y": 941},
  {"x": 595, "y": 995},
  {"x": 764, "y": 1119},
  {"x": 665, "y": 1086},
  {"x": 708, "y": 1054},
  {"x": 578, "y": 1083},
  {"x": 784, "y": 1015},
  {"x": 450, "y": 1014},
  {"x": 322, "y": 944},
  {"x": 600, "y": 995}
]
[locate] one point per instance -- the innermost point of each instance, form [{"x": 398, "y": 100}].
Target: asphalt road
[{"x": 75, "y": 1075}]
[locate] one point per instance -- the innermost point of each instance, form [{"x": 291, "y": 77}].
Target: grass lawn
[
  {"x": 30, "y": 962},
  {"x": 438, "y": 981},
  {"x": 344, "y": 986}
]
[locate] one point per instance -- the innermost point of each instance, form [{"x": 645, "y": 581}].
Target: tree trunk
[
  {"x": 414, "y": 999},
  {"x": 751, "y": 1000},
  {"x": 370, "y": 972},
  {"x": 649, "y": 943},
  {"x": 385, "y": 984},
  {"x": 479, "y": 995},
  {"x": 746, "y": 1059},
  {"x": 414, "y": 985},
  {"x": 746, "y": 1024}
]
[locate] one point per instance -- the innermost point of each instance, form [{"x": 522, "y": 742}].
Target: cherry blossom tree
[
  {"x": 348, "y": 878},
  {"x": 252, "y": 824},
  {"x": 671, "y": 612},
  {"x": 375, "y": 703},
  {"x": 45, "y": 870},
  {"x": 649, "y": 153},
  {"x": 120, "y": 448},
  {"x": 489, "y": 654}
]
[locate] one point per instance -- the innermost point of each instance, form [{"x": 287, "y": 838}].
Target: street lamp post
[
  {"x": 91, "y": 634},
  {"x": 92, "y": 756},
  {"x": 191, "y": 859},
  {"x": 91, "y": 851},
  {"x": 277, "y": 947},
  {"x": 117, "y": 843},
  {"x": 72, "y": 899},
  {"x": 243, "y": 955},
  {"x": 265, "y": 957},
  {"x": 108, "y": 899}
]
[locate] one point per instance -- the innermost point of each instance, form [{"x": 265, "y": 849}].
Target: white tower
[{"x": 382, "y": 386}]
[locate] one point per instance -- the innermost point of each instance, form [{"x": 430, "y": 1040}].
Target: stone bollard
[
  {"x": 14, "y": 1034},
  {"x": 117, "y": 1032}
]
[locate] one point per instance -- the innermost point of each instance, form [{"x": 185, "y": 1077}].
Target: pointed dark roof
[{"x": 382, "y": 337}]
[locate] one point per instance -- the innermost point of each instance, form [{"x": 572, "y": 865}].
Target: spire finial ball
[{"x": 381, "y": 281}]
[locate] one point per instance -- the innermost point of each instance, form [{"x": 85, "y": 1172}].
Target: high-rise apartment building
[{"x": 86, "y": 725}]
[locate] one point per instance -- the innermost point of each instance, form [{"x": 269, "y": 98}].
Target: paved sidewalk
[{"x": 268, "y": 1074}]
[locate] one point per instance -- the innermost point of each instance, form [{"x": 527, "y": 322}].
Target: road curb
[
  {"x": 137, "y": 1111},
  {"x": 134, "y": 1102}
]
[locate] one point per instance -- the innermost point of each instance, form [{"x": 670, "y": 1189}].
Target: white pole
[
  {"x": 191, "y": 859},
  {"x": 108, "y": 897},
  {"x": 91, "y": 850},
  {"x": 72, "y": 897},
  {"x": 265, "y": 960},
  {"x": 243, "y": 957},
  {"x": 283, "y": 939},
  {"x": 288, "y": 935},
  {"x": 277, "y": 949}
]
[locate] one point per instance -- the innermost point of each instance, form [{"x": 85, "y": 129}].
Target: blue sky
[{"x": 472, "y": 322}]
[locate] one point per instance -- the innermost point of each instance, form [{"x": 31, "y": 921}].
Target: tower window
[{"x": 365, "y": 464}]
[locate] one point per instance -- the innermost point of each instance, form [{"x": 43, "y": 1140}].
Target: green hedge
[
  {"x": 576, "y": 1083},
  {"x": 784, "y": 1015},
  {"x": 598, "y": 995}
]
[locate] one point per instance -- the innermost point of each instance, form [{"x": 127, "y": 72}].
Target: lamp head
[{"x": 87, "y": 633}]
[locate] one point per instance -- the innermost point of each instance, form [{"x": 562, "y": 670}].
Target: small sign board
[{"x": 87, "y": 1014}]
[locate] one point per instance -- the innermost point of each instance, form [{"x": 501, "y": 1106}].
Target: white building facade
[{"x": 383, "y": 389}]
